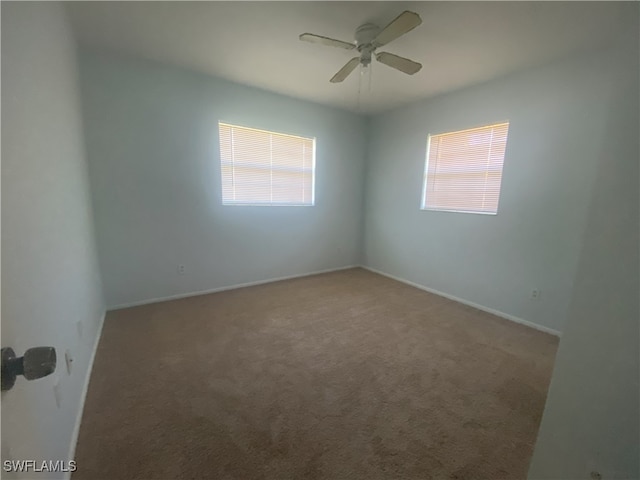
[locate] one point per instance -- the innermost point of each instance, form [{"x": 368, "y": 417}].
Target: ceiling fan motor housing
[{"x": 365, "y": 34}]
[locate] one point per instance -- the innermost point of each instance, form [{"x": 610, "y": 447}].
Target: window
[
  {"x": 463, "y": 170},
  {"x": 265, "y": 168}
]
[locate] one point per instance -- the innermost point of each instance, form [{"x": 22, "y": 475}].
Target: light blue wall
[
  {"x": 152, "y": 141},
  {"x": 591, "y": 420},
  {"x": 557, "y": 115},
  {"x": 50, "y": 275},
  {"x": 154, "y": 164}
]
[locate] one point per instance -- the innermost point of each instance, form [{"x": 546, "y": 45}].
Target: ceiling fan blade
[
  {"x": 330, "y": 42},
  {"x": 399, "y": 63},
  {"x": 346, "y": 70},
  {"x": 403, "y": 23}
]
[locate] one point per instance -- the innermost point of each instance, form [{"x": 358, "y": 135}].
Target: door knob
[{"x": 37, "y": 362}]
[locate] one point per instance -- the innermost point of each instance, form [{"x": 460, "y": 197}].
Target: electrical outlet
[
  {"x": 56, "y": 393},
  {"x": 535, "y": 294},
  {"x": 68, "y": 359},
  {"x": 181, "y": 269}
]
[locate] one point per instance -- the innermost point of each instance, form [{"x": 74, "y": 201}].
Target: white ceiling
[{"x": 256, "y": 43}]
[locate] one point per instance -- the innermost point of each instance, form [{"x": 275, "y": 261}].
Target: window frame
[
  {"x": 240, "y": 204},
  {"x": 423, "y": 197}
]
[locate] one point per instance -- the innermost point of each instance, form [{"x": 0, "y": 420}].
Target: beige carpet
[{"x": 346, "y": 375}]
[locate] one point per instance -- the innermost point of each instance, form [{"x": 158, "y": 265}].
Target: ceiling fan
[{"x": 370, "y": 37}]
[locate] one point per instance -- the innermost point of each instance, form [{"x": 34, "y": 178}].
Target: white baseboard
[
  {"x": 83, "y": 395},
  {"x": 222, "y": 289},
  {"x": 498, "y": 313},
  {"x": 467, "y": 302}
]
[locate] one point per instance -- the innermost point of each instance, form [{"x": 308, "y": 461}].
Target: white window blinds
[
  {"x": 464, "y": 170},
  {"x": 265, "y": 168}
]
